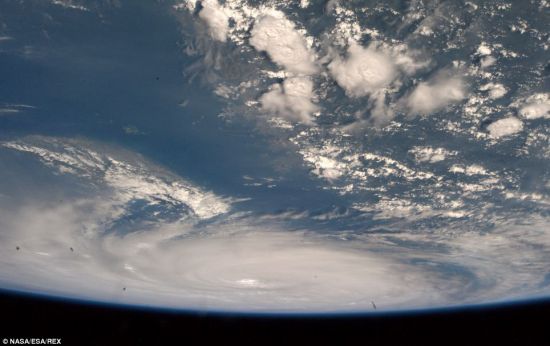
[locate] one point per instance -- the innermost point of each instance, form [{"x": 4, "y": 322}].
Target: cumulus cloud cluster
[
  {"x": 364, "y": 71},
  {"x": 268, "y": 30},
  {"x": 285, "y": 45},
  {"x": 277, "y": 36},
  {"x": 374, "y": 71},
  {"x": 370, "y": 71},
  {"x": 429, "y": 154},
  {"x": 505, "y": 127},
  {"x": 495, "y": 90},
  {"x": 216, "y": 19},
  {"x": 436, "y": 93},
  {"x": 536, "y": 106},
  {"x": 291, "y": 99}
]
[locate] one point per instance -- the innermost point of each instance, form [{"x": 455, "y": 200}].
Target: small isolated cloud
[
  {"x": 8, "y": 109},
  {"x": 285, "y": 45},
  {"x": 132, "y": 130},
  {"x": 291, "y": 99},
  {"x": 505, "y": 127},
  {"x": 483, "y": 49},
  {"x": 70, "y": 4},
  {"x": 5, "y": 111},
  {"x": 436, "y": 93},
  {"x": 495, "y": 90},
  {"x": 536, "y": 106},
  {"x": 364, "y": 71},
  {"x": 216, "y": 19}
]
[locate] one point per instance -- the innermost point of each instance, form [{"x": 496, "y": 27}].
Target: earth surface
[{"x": 276, "y": 156}]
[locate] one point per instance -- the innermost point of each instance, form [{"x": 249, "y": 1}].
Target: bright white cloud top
[
  {"x": 364, "y": 71},
  {"x": 440, "y": 91},
  {"x": 536, "y": 106},
  {"x": 495, "y": 90},
  {"x": 301, "y": 178},
  {"x": 291, "y": 99},
  {"x": 216, "y": 19},
  {"x": 211, "y": 259},
  {"x": 274, "y": 34},
  {"x": 505, "y": 127}
]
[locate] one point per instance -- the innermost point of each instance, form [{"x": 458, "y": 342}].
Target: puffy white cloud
[
  {"x": 536, "y": 106},
  {"x": 505, "y": 127},
  {"x": 409, "y": 61},
  {"x": 367, "y": 71},
  {"x": 304, "y": 3},
  {"x": 488, "y": 61},
  {"x": 291, "y": 99},
  {"x": 364, "y": 71},
  {"x": 285, "y": 45},
  {"x": 495, "y": 90},
  {"x": 372, "y": 72},
  {"x": 484, "y": 49},
  {"x": 216, "y": 19},
  {"x": 436, "y": 93}
]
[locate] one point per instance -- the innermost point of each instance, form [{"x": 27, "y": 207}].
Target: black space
[{"x": 25, "y": 316}]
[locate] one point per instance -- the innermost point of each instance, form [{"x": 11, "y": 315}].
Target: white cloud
[
  {"x": 9, "y": 109},
  {"x": 372, "y": 72},
  {"x": 436, "y": 93},
  {"x": 4, "y": 111},
  {"x": 291, "y": 99},
  {"x": 216, "y": 19},
  {"x": 468, "y": 170},
  {"x": 505, "y": 127},
  {"x": 409, "y": 61},
  {"x": 130, "y": 180},
  {"x": 381, "y": 113},
  {"x": 429, "y": 154},
  {"x": 325, "y": 162},
  {"x": 483, "y": 49},
  {"x": 364, "y": 71},
  {"x": 285, "y": 45},
  {"x": 536, "y": 106},
  {"x": 249, "y": 263},
  {"x": 495, "y": 90},
  {"x": 304, "y": 3},
  {"x": 488, "y": 61},
  {"x": 70, "y": 4},
  {"x": 227, "y": 266},
  {"x": 189, "y": 5}
]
